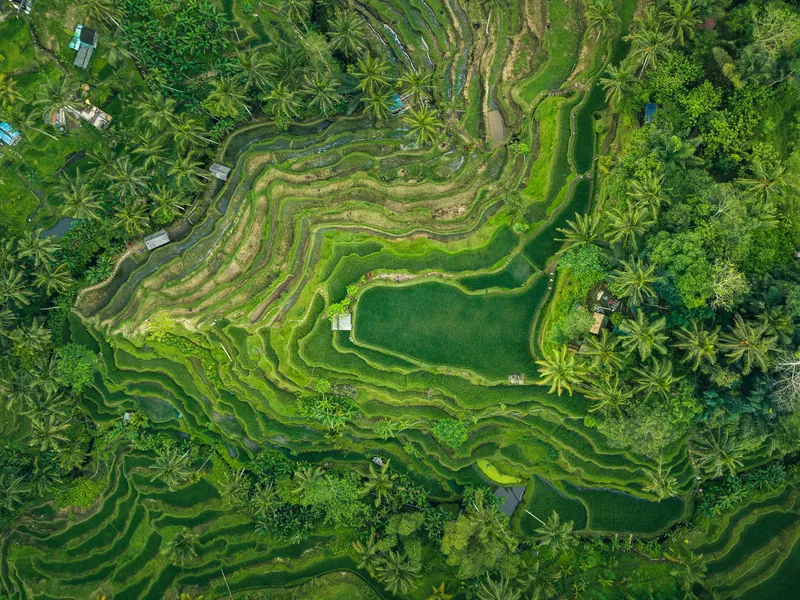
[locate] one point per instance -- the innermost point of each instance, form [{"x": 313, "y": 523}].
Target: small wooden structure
[
  {"x": 156, "y": 240},
  {"x": 598, "y": 323},
  {"x": 342, "y": 322},
  {"x": 219, "y": 171}
]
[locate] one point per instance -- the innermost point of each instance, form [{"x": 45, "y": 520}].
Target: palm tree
[
  {"x": 100, "y": 10},
  {"x": 235, "y": 487},
  {"x": 604, "y": 352},
  {"x": 627, "y": 225},
  {"x": 600, "y": 15},
  {"x": 31, "y": 339},
  {"x": 379, "y": 483},
  {"x": 718, "y": 453},
  {"x": 368, "y": 555},
  {"x": 14, "y": 288},
  {"x": 52, "y": 280},
  {"x": 264, "y": 500},
  {"x": 424, "y": 124},
  {"x": 418, "y": 85},
  {"x": 378, "y": 104},
  {"x": 189, "y": 132},
  {"x": 8, "y": 90},
  {"x": 440, "y": 593},
  {"x": 172, "y": 467},
  {"x": 397, "y": 573},
  {"x": 555, "y": 534},
  {"x": 41, "y": 250},
  {"x": 126, "y": 178},
  {"x": 768, "y": 182},
  {"x": 254, "y": 66},
  {"x": 48, "y": 433},
  {"x": 617, "y": 83},
  {"x": 498, "y": 590},
  {"x": 681, "y": 20},
  {"x": 634, "y": 281},
  {"x": 648, "y": 192},
  {"x": 59, "y": 96},
  {"x": 648, "y": 45},
  {"x": 779, "y": 321},
  {"x": 656, "y": 378},
  {"x": 584, "y": 230},
  {"x": 306, "y": 479},
  {"x": 283, "y": 103},
  {"x": 13, "y": 491},
  {"x": 181, "y": 547},
  {"x": 227, "y": 98},
  {"x": 186, "y": 170},
  {"x": 609, "y": 396},
  {"x": 321, "y": 89},
  {"x": 372, "y": 72},
  {"x": 132, "y": 217},
  {"x": 348, "y": 33},
  {"x": 560, "y": 370},
  {"x": 297, "y": 11},
  {"x": 168, "y": 202},
  {"x": 80, "y": 200},
  {"x": 644, "y": 336},
  {"x": 114, "y": 45},
  {"x": 156, "y": 111},
  {"x": 698, "y": 343},
  {"x": 45, "y": 477},
  {"x": 662, "y": 484},
  {"x": 541, "y": 584},
  {"x": 286, "y": 66},
  {"x": 749, "y": 342},
  {"x": 153, "y": 148}
]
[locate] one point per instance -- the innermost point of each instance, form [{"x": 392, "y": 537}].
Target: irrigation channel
[{"x": 447, "y": 300}]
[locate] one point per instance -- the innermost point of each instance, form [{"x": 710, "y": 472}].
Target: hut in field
[
  {"x": 156, "y": 240},
  {"x": 342, "y": 322},
  {"x": 219, "y": 171}
]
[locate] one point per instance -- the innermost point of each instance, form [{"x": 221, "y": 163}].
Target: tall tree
[
  {"x": 398, "y": 573},
  {"x": 53, "y": 280},
  {"x": 627, "y": 225},
  {"x": 634, "y": 281},
  {"x": 681, "y": 19},
  {"x": 181, "y": 547},
  {"x": 348, "y": 34},
  {"x": 39, "y": 249},
  {"x": 79, "y": 197},
  {"x": 156, "y": 111},
  {"x": 378, "y": 104},
  {"x": 127, "y": 179},
  {"x": 601, "y": 16},
  {"x": 699, "y": 344},
  {"x": 502, "y": 589},
  {"x": 560, "y": 370},
  {"x": 424, "y": 124},
  {"x": 656, "y": 378},
  {"x": 254, "y": 68},
  {"x": 172, "y": 467},
  {"x": 748, "y": 342},
  {"x": 372, "y": 73},
  {"x": 718, "y": 453},
  {"x": 556, "y": 534},
  {"x": 227, "y": 98},
  {"x": 9, "y": 94},
  {"x": 648, "y": 46},
  {"x": 379, "y": 483},
  {"x": 604, "y": 352},
  {"x": 608, "y": 396},
  {"x": 283, "y": 104},
  {"x": 644, "y": 336},
  {"x": 648, "y": 191},
  {"x": 58, "y": 97},
  {"x": 418, "y": 85},
  {"x": 585, "y": 229},
  {"x": 322, "y": 91},
  {"x": 617, "y": 83}
]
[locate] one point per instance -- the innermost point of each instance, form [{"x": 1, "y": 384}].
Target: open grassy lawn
[{"x": 440, "y": 325}]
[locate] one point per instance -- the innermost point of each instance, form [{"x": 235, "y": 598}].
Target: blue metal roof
[
  {"x": 649, "y": 112},
  {"x": 8, "y": 134}
]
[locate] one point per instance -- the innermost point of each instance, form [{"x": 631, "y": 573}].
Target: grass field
[{"x": 440, "y": 325}]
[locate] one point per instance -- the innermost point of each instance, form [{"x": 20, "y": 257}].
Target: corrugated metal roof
[
  {"x": 159, "y": 238},
  {"x": 83, "y": 56}
]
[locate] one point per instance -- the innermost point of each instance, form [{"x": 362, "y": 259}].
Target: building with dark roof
[
  {"x": 84, "y": 40},
  {"x": 157, "y": 239}
]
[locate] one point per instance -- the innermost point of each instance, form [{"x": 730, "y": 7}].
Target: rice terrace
[{"x": 399, "y": 299}]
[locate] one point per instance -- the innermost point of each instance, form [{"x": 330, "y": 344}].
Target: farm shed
[
  {"x": 157, "y": 239},
  {"x": 219, "y": 171},
  {"x": 84, "y": 40},
  {"x": 343, "y": 322},
  {"x": 598, "y": 323}
]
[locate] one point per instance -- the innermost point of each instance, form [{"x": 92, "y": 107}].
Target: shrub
[{"x": 450, "y": 432}]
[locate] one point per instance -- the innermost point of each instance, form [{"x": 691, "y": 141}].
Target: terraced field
[
  {"x": 116, "y": 546},
  {"x": 446, "y": 299},
  {"x": 422, "y": 234}
]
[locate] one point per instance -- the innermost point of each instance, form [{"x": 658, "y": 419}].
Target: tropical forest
[{"x": 399, "y": 299}]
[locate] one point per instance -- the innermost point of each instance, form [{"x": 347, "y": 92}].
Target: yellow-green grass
[{"x": 496, "y": 474}]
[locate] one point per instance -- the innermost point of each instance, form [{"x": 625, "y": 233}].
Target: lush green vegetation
[{"x": 198, "y": 421}]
